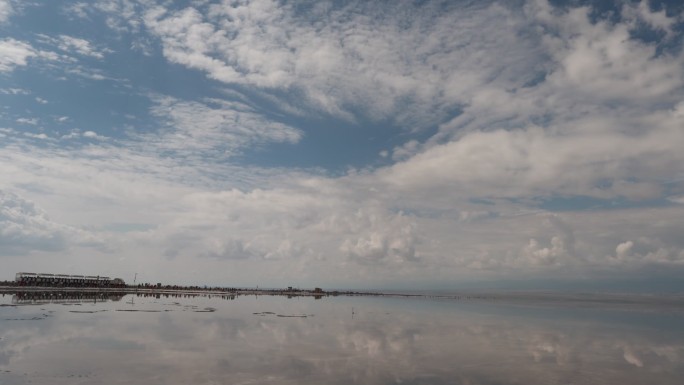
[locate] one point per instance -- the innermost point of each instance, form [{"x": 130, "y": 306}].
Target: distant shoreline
[
  {"x": 672, "y": 301},
  {"x": 149, "y": 290}
]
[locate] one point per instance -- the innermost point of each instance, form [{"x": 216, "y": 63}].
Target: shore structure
[
  {"x": 8, "y": 287},
  {"x": 43, "y": 282},
  {"x": 64, "y": 280},
  {"x": 61, "y": 287},
  {"x": 624, "y": 301}
]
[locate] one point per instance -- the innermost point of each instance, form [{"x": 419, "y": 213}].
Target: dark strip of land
[{"x": 670, "y": 302}]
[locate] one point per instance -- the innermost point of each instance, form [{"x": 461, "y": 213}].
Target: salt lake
[{"x": 249, "y": 339}]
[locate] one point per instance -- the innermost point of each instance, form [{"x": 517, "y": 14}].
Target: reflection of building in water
[
  {"x": 185, "y": 295},
  {"x": 63, "y": 280},
  {"x": 42, "y": 297}
]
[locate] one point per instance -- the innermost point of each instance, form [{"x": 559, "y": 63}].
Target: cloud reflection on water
[{"x": 388, "y": 341}]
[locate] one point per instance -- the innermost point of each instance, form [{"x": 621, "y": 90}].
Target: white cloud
[
  {"x": 603, "y": 62},
  {"x": 30, "y": 121},
  {"x": 649, "y": 250},
  {"x": 14, "y": 91},
  {"x": 41, "y": 136},
  {"x": 25, "y": 227},
  {"x": 385, "y": 239},
  {"x": 364, "y": 57},
  {"x": 406, "y": 150},
  {"x": 633, "y": 358},
  {"x": 642, "y": 12},
  {"x": 5, "y": 10},
  {"x": 143, "y": 45},
  {"x": 78, "y": 9},
  {"x": 88, "y": 73},
  {"x": 560, "y": 250},
  {"x": 71, "y": 45},
  {"x": 80, "y": 46},
  {"x": 213, "y": 128},
  {"x": 624, "y": 155},
  {"x": 231, "y": 249},
  {"x": 604, "y": 101},
  {"x": 622, "y": 250},
  {"x": 14, "y": 53},
  {"x": 342, "y": 229},
  {"x": 93, "y": 135}
]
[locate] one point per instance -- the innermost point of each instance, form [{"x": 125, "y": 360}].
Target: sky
[{"x": 384, "y": 144}]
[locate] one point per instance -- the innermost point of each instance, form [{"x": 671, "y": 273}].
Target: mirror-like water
[{"x": 335, "y": 340}]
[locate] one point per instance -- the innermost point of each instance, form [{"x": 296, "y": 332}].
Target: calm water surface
[{"x": 334, "y": 340}]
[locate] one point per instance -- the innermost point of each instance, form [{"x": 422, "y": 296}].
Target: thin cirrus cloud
[
  {"x": 214, "y": 128},
  {"x": 530, "y": 142},
  {"x": 71, "y": 44}
]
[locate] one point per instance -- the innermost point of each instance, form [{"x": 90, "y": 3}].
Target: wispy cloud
[
  {"x": 378, "y": 60},
  {"x": 15, "y": 53},
  {"x": 80, "y": 46},
  {"x": 14, "y": 91},
  {"x": 213, "y": 128},
  {"x": 31, "y": 121}
]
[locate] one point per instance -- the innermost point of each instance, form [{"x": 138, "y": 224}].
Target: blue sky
[{"x": 364, "y": 144}]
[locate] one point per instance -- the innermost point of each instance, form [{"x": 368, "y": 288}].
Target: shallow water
[{"x": 334, "y": 340}]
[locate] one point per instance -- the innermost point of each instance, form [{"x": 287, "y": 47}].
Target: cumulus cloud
[
  {"x": 14, "y": 53},
  {"x": 387, "y": 240},
  {"x": 93, "y": 135},
  {"x": 559, "y": 251},
  {"x": 647, "y": 250},
  {"x": 623, "y": 249}
]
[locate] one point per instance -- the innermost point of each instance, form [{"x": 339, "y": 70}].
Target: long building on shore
[{"x": 64, "y": 280}]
